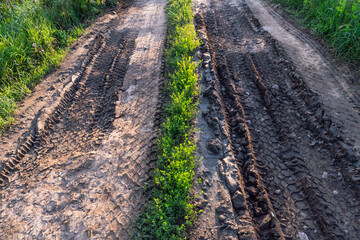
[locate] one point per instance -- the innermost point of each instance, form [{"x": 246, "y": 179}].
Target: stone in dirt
[
  {"x": 214, "y": 145},
  {"x": 302, "y": 236},
  {"x": 238, "y": 201}
]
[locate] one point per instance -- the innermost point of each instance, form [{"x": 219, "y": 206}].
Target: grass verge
[
  {"x": 169, "y": 211},
  {"x": 338, "y": 21},
  {"x": 34, "y": 35}
]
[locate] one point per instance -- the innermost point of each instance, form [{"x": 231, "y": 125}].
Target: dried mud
[
  {"x": 276, "y": 162},
  {"x": 79, "y": 166}
]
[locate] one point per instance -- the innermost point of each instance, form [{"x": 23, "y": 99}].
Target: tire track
[
  {"x": 319, "y": 71},
  {"x": 44, "y": 121},
  {"x": 92, "y": 152},
  {"x": 283, "y": 141}
]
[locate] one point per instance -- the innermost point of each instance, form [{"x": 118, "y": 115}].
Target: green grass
[
  {"x": 170, "y": 210},
  {"x": 34, "y": 36},
  {"x": 338, "y": 21}
]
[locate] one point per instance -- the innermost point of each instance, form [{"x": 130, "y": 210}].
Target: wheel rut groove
[
  {"x": 318, "y": 69},
  {"x": 293, "y": 167},
  {"x": 81, "y": 167},
  {"x": 44, "y": 123}
]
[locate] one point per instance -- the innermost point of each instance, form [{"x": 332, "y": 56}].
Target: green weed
[{"x": 170, "y": 211}]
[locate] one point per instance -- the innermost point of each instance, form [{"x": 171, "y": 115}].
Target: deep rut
[
  {"x": 81, "y": 167},
  {"x": 274, "y": 164}
]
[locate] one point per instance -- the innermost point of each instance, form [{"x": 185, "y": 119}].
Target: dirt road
[
  {"x": 279, "y": 132},
  {"x": 87, "y": 154}
]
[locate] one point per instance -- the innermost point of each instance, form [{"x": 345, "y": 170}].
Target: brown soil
[
  {"x": 75, "y": 164},
  {"x": 280, "y": 131}
]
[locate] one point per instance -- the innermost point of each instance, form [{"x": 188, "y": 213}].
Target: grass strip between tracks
[
  {"x": 170, "y": 210},
  {"x": 338, "y": 21},
  {"x": 34, "y": 36}
]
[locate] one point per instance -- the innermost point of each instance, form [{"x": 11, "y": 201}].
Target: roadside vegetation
[
  {"x": 34, "y": 36},
  {"x": 170, "y": 211},
  {"x": 338, "y": 21}
]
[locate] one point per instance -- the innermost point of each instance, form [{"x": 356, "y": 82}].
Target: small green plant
[
  {"x": 169, "y": 212},
  {"x": 33, "y": 40}
]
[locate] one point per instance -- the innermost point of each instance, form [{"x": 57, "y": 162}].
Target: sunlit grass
[{"x": 336, "y": 20}]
